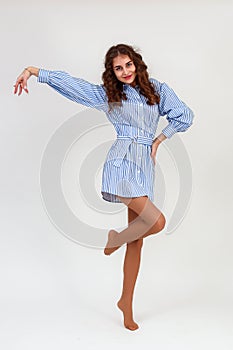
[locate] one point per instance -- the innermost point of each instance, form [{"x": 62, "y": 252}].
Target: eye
[{"x": 129, "y": 64}]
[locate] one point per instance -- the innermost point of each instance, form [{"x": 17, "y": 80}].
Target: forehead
[{"x": 120, "y": 60}]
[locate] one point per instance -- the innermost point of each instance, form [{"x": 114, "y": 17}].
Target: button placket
[{"x": 141, "y": 117}]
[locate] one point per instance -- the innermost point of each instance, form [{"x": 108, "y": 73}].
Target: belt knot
[{"x": 131, "y": 139}]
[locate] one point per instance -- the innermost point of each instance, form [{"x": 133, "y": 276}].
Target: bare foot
[
  {"x": 110, "y": 246},
  {"x": 128, "y": 317}
]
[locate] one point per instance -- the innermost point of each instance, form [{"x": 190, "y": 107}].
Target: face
[{"x": 124, "y": 69}]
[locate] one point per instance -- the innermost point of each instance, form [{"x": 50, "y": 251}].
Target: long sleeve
[
  {"x": 75, "y": 89},
  {"x": 179, "y": 115}
]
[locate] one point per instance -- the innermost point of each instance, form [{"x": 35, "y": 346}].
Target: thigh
[
  {"x": 131, "y": 215},
  {"x": 143, "y": 207}
]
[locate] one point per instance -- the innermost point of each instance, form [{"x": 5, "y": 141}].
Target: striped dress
[{"x": 128, "y": 170}]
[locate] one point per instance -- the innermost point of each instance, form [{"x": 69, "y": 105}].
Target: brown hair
[{"x": 114, "y": 87}]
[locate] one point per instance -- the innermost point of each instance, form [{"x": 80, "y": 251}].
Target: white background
[{"x": 57, "y": 294}]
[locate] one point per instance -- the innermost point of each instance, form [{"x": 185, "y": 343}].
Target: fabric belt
[{"x": 128, "y": 141}]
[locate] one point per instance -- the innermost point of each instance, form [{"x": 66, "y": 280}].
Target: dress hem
[{"x": 111, "y": 197}]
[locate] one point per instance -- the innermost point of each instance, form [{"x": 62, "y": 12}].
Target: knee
[{"x": 160, "y": 223}]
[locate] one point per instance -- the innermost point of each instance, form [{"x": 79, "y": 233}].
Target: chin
[{"x": 131, "y": 81}]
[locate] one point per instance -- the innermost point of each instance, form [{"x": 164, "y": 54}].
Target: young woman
[{"x": 133, "y": 103}]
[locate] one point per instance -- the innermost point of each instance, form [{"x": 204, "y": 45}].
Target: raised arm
[{"x": 75, "y": 89}]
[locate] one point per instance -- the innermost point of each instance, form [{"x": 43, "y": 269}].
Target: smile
[{"x": 128, "y": 77}]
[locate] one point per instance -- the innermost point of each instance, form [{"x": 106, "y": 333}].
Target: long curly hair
[{"x": 114, "y": 87}]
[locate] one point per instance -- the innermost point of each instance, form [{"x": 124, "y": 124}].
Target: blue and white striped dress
[{"x": 129, "y": 170}]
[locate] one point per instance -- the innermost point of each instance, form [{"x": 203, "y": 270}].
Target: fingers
[
  {"x": 16, "y": 88},
  {"x": 22, "y": 86},
  {"x": 16, "y": 85},
  {"x": 18, "y": 82},
  {"x": 153, "y": 158},
  {"x": 21, "y": 83},
  {"x": 25, "y": 84},
  {"x": 153, "y": 153},
  {"x": 20, "y": 90}
]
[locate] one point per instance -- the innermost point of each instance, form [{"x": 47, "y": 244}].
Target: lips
[{"x": 128, "y": 77}]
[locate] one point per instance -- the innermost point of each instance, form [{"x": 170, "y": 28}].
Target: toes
[{"x": 132, "y": 328}]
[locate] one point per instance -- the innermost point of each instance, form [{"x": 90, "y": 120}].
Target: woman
[{"x": 133, "y": 103}]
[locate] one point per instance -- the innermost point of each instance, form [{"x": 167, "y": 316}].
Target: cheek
[{"x": 117, "y": 74}]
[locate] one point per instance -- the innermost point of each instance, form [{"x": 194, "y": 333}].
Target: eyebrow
[{"x": 126, "y": 63}]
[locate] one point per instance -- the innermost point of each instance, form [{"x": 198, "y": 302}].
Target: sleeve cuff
[
  {"x": 43, "y": 76},
  {"x": 169, "y": 131}
]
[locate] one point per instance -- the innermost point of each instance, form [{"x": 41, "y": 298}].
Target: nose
[{"x": 125, "y": 71}]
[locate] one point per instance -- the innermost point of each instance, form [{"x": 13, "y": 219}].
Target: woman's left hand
[{"x": 154, "y": 148}]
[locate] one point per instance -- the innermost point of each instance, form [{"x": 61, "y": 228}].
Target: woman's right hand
[{"x": 21, "y": 82}]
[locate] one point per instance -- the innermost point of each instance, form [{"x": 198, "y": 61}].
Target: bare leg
[
  {"x": 131, "y": 268},
  {"x": 150, "y": 220}
]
